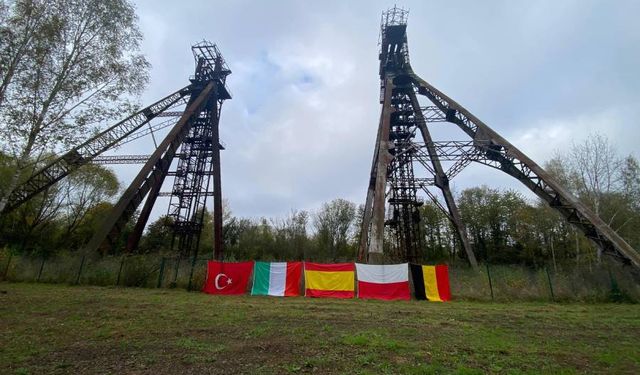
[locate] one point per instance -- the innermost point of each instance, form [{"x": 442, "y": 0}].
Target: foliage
[
  {"x": 66, "y": 67},
  {"x": 62, "y": 217}
]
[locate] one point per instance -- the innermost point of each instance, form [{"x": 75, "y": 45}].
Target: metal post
[
  {"x": 41, "y": 267},
  {"x": 175, "y": 276},
  {"x": 6, "y": 269},
  {"x": 218, "y": 244},
  {"x": 553, "y": 297},
  {"x": 490, "y": 283},
  {"x": 193, "y": 265},
  {"x": 120, "y": 270},
  {"x": 80, "y": 269},
  {"x": 161, "y": 274},
  {"x": 383, "y": 159}
]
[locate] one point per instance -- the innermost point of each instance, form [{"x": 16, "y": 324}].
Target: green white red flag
[{"x": 280, "y": 279}]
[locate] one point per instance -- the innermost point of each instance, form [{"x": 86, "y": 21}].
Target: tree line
[{"x": 503, "y": 225}]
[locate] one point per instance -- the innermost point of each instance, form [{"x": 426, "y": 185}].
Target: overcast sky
[{"x": 301, "y": 126}]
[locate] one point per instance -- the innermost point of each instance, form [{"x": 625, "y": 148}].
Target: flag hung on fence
[
  {"x": 227, "y": 277},
  {"x": 431, "y": 282},
  {"x": 386, "y": 282},
  {"x": 276, "y": 279},
  {"x": 329, "y": 280}
]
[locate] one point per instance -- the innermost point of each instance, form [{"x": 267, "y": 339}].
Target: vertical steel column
[
  {"x": 376, "y": 242},
  {"x": 367, "y": 212}
]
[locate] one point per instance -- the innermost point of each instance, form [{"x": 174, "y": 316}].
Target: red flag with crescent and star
[{"x": 227, "y": 277}]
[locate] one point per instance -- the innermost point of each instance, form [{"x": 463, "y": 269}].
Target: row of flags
[{"x": 337, "y": 280}]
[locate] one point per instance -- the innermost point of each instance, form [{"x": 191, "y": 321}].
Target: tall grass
[{"x": 607, "y": 283}]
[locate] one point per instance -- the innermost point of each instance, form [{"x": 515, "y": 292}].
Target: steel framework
[
  {"x": 397, "y": 153},
  {"x": 197, "y": 176}
]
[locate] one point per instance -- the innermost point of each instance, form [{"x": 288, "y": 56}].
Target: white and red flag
[
  {"x": 385, "y": 281},
  {"x": 227, "y": 277}
]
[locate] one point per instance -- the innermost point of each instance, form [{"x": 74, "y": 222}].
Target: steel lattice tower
[
  {"x": 197, "y": 176},
  {"x": 199, "y": 161},
  {"x": 404, "y": 144}
]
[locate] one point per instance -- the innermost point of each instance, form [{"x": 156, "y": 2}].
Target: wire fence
[{"x": 604, "y": 283}]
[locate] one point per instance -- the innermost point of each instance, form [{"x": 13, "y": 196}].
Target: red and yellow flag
[{"x": 329, "y": 280}]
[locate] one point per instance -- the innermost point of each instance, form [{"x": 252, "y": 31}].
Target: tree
[
  {"x": 607, "y": 183},
  {"x": 436, "y": 231},
  {"x": 596, "y": 170},
  {"x": 334, "y": 227},
  {"x": 67, "y": 66},
  {"x": 157, "y": 237},
  {"x": 290, "y": 235},
  {"x": 62, "y": 216},
  {"x": 83, "y": 189}
]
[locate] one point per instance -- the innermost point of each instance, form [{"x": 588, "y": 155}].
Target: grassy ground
[{"x": 63, "y": 329}]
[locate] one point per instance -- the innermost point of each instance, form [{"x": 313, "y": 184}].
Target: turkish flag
[{"x": 227, "y": 278}]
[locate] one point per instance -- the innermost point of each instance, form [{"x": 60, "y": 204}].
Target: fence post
[
  {"x": 80, "y": 270},
  {"x": 6, "y": 269},
  {"x": 615, "y": 295},
  {"x": 120, "y": 270},
  {"x": 490, "y": 283},
  {"x": 175, "y": 276},
  {"x": 161, "y": 274},
  {"x": 193, "y": 265},
  {"x": 41, "y": 267},
  {"x": 553, "y": 297}
]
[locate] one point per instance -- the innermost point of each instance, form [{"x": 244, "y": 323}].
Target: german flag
[
  {"x": 431, "y": 282},
  {"x": 329, "y": 280}
]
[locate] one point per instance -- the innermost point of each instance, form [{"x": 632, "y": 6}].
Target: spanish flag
[
  {"x": 431, "y": 282},
  {"x": 329, "y": 280}
]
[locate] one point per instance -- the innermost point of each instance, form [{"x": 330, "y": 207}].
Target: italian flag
[{"x": 276, "y": 279}]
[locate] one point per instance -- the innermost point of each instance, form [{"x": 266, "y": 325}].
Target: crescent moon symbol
[{"x": 216, "y": 282}]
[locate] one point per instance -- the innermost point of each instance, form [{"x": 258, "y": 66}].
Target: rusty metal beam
[
  {"x": 442, "y": 182},
  {"x": 149, "y": 177},
  {"x": 502, "y": 155},
  {"x": 368, "y": 205},
  {"x": 87, "y": 151},
  {"x": 376, "y": 240}
]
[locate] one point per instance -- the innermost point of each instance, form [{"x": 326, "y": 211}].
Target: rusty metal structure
[
  {"x": 192, "y": 114},
  {"x": 407, "y": 161}
]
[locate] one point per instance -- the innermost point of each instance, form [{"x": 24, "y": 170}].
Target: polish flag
[{"x": 386, "y": 282}]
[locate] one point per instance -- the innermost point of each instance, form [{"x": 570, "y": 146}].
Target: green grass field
[{"x": 64, "y": 329}]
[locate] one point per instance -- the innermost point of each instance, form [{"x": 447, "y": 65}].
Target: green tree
[
  {"x": 67, "y": 66},
  {"x": 157, "y": 237},
  {"x": 334, "y": 224}
]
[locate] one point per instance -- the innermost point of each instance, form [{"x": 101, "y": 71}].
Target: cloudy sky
[{"x": 301, "y": 126}]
